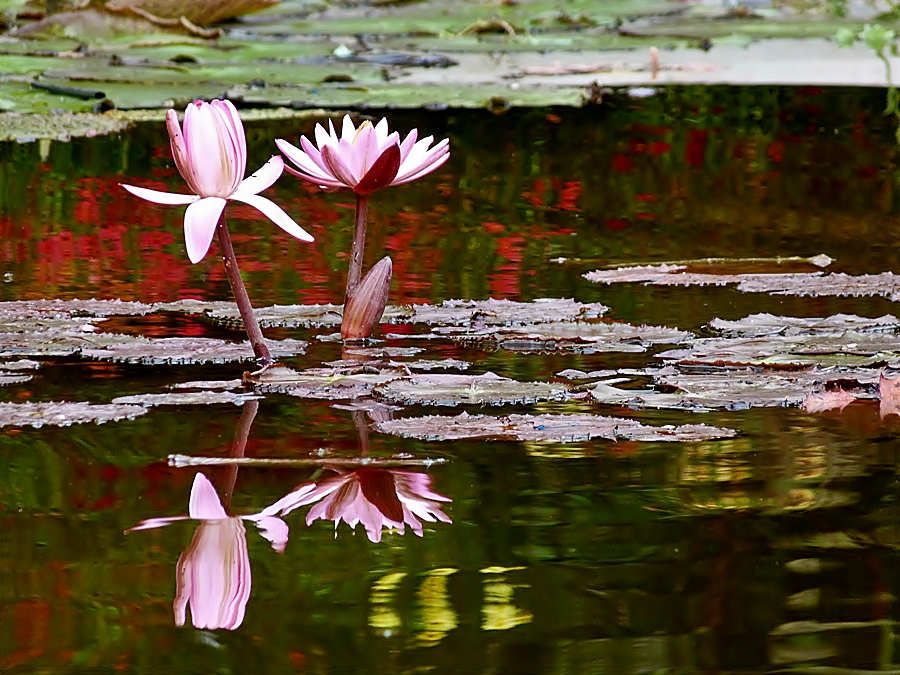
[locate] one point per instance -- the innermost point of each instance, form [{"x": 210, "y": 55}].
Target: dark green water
[{"x": 776, "y": 551}]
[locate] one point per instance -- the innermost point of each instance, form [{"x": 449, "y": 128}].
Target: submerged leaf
[
  {"x": 535, "y": 428},
  {"x": 65, "y": 414},
  {"x": 452, "y": 390}
]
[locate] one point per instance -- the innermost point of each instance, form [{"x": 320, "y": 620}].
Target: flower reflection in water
[
  {"x": 377, "y": 498},
  {"x": 213, "y": 573}
]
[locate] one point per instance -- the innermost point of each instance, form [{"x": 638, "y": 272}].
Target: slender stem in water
[
  {"x": 241, "y": 435},
  {"x": 240, "y": 294},
  {"x": 356, "y": 253}
]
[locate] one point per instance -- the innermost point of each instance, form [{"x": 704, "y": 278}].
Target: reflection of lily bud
[
  {"x": 364, "y": 309},
  {"x": 377, "y": 498},
  {"x": 213, "y": 574}
]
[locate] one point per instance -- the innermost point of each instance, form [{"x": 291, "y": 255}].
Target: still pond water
[{"x": 777, "y": 550}]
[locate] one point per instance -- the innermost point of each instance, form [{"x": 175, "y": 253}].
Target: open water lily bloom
[
  {"x": 363, "y": 159},
  {"x": 377, "y": 498},
  {"x": 213, "y": 573},
  {"x": 211, "y": 156}
]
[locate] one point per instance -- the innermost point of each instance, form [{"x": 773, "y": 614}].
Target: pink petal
[
  {"x": 337, "y": 167},
  {"x": 314, "y": 155},
  {"x": 212, "y": 162},
  {"x": 157, "y": 197},
  {"x": 179, "y": 150},
  {"x": 152, "y": 523},
  {"x": 364, "y": 150},
  {"x": 200, "y": 222},
  {"x": 323, "y": 138},
  {"x": 331, "y": 185},
  {"x": 273, "y": 212},
  {"x": 236, "y": 126},
  {"x": 204, "y": 503},
  {"x": 381, "y": 131},
  {"x": 408, "y": 144},
  {"x": 304, "y": 159},
  {"x": 267, "y": 174},
  {"x": 436, "y": 164},
  {"x": 272, "y": 528},
  {"x": 348, "y": 129}
]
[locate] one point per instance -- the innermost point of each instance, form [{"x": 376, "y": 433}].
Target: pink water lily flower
[
  {"x": 363, "y": 159},
  {"x": 377, "y": 498},
  {"x": 211, "y": 156},
  {"x": 213, "y": 573}
]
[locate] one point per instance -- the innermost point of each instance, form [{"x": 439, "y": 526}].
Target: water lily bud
[
  {"x": 364, "y": 309},
  {"x": 845, "y": 37},
  {"x": 877, "y": 37}
]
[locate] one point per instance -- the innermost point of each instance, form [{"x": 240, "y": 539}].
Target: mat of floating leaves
[
  {"x": 182, "y": 398},
  {"x": 450, "y": 313},
  {"x": 738, "y": 389},
  {"x": 810, "y": 284},
  {"x": 846, "y": 348},
  {"x": 452, "y": 390},
  {"x": 323, "y": 383},
  {"x": 559, "y": 428},
  {"x": 200, "y": 12},
  {"x": 760, "y": 325},
  {"x": 577, "y": 336},
  {"x": 184, "y": 351},
  {"x": 65, "y": 414}
]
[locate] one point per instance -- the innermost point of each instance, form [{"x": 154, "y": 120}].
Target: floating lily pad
[
  {"x": 448, "y": 313},
  {"x": 810, "y": 284},
  {"x": 431, "y": 364},
  {"x": 574, "y": 374},
  {"x": 734, "y": 389},
  {"x": 575, "y": 336},
  {"x": 187, "y": 350},
  {"x": 181, "y": 398},
  {"x": 384, "y": 352},
  {"x": 24, "y": 309},
  {"x": 65, "y": 414},
  {"x": 208, "y": 384},
  {"x": 452, "y": 390},
  {"x": 11, "y": 378},
  {"x": 21, "y": 364},
  {"x": 759, "y": 325},
  {"x": 558, "y": 428},
  {"x": 846, "y": 348},
  {"x": 323, "y": 383}
]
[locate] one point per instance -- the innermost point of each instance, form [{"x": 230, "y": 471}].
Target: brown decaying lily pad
[
  {"x": 448, "y": 313},
  {"x": 452, "y": 390},
  {"x": 65, "y": 414},
  {"x": 557, "y": 428},
  {"x": 846, "y": 348},
  {"x": 184, "y": 351},
  {"x": 181, "y": 398},
  {"x": 576, "y": 336},
  {"x": 810, "y": 284}
]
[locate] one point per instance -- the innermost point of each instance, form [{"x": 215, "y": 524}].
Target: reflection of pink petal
[
  {"x": 890, "y": 395},
  {"x": 827, "y": 400},
  {"x": 204, "y": 503},
  {"x": 151, "y": 523},
  {"x": 272, "y": 528}
]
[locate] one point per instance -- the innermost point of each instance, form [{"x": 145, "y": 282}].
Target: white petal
[
  {"x": 381, "y": 129},
  {"x": 302, "y": 160},
  {"x": 407, "y": 145},
  {"x": 426, "y": 169},
  {"x": 200, "y": 222},
  {"x": 273, "y": 212},
  {"x": 267, "y": 174},
  {"x": 157, "y": 197},
  {"x": 348, "y": 130}
]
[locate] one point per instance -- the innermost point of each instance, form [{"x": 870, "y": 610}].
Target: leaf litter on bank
[
  {"x": 64, "y": 414},
  {"x": 554, "y": 428}
]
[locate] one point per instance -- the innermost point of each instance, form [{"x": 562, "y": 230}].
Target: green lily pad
[{"x": 545, "y": 428}]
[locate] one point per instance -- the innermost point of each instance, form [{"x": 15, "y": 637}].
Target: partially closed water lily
[
  {"x": 213, "y": 573},
  {"x": 211, "y": 156},
  {"x": 365, "y": 158}
]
